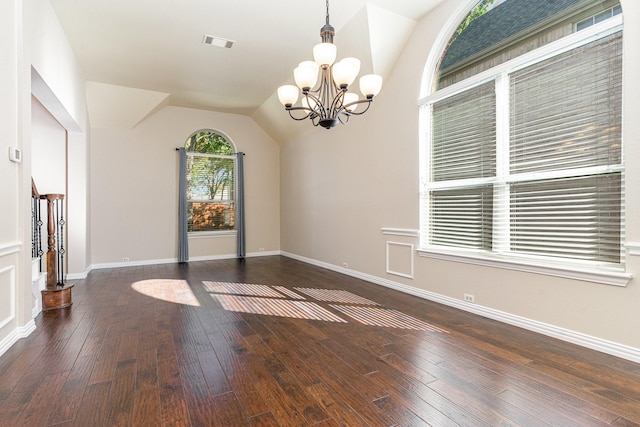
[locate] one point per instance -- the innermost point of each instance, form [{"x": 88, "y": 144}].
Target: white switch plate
[{"x": 15, "y": 154}]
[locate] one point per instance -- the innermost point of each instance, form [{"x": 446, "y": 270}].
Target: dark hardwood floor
[{"x": 306, "y": 347}]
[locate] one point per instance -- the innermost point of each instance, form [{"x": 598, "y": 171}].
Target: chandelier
[{"x": 324, "y": 83}]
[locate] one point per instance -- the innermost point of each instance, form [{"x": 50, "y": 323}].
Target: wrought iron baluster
[{"x": 60, "y": 232}]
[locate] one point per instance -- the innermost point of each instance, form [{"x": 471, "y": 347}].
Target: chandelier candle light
[{"x": 330, "y": 102}]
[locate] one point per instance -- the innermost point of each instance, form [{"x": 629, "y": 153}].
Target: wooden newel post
[
  {"x": 57, "y": 294},
  {"x": 52, "y": 265}
]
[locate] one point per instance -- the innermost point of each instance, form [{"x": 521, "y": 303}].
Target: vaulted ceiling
[{"x": 156, "y": 46}]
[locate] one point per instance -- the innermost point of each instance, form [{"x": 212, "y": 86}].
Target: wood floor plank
[
  {"x": 337, "y": 409},
  {"x": 265, "y": 419},
  {"x": 44, "y": 399},
  {"x": 122, "y": 357},
  {"x": 226, "y": 411},
  {"x": 213, "y": 373},
  {"x": 172, "y": 403},
  {"x": 72, "y": 391},
  {"x": 233, "y": 365},
  {"x": 93, "y": 406},
  {"x": 146, "y": 400},
  {"x": 120, "y": 405}
]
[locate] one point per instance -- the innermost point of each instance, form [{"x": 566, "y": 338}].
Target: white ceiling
[{"x": 156, "y": 45}]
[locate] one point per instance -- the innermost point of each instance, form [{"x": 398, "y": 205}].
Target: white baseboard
[
  {"x": 79, "y": 276},
  {"x": 175, "y": 260},
  {"x": 594, "y": 343},
  {"x": 15, "y": 335}
]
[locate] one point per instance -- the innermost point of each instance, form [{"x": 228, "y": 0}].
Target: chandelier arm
[
  {"x": 337, "y": 104},
  {"x": 307, "y": 115},
  {"x": 316, "y": 99},
  {"x": 343, "y": 117},
  {"x": 361, "y": 101}
]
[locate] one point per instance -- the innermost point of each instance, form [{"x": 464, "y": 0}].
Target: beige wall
[
  {"x": 48, "y": 151},
  {"x": 134, "y": 187},
  {"x": 339, "y": 188}
]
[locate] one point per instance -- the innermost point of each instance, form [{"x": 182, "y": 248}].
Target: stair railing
[{"x": 55, "y": 259}]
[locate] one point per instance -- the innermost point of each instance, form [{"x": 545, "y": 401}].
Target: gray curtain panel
[
  {"x": 240, "y": 206},
  {"x": 183, "y": 241}
]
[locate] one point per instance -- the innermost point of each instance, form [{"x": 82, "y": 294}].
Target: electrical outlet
[
  {"x": 125, "y": 259},
  {"x": 345, "y": 265},
  {"x": 469, "y": 298},
  {"x": 261, "y": 249}
]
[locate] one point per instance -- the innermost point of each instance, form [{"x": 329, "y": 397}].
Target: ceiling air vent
[{"x": 217, "y": 41}]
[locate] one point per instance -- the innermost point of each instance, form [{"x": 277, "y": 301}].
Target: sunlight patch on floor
[
  {"x": 375, "y": 316},
  {"x": 276, "y": 307},
  {"x": 241, "y": 289},
  {"x": 284, "y": 302},
  {"x": 335, "y": 295},
  {"x": 170, "y": 290}
]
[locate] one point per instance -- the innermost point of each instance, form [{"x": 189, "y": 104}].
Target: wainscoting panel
[
  {"x": 8, "y": 288},
  {"x": 400, "y": 259}
]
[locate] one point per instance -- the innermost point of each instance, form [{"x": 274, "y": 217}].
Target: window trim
[
  {"x": 524, "y": 263},
  {"x": 207, "y": 234}
]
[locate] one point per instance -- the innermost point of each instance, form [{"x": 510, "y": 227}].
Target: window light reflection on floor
[
  {"x": 276, "y": 307},
  {"x": 283, "y": 302},
  {"x": 170, "y": 290}
]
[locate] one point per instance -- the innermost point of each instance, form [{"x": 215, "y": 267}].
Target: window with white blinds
[
  {"x": 211, "y": 182},
  {"x": 528, "y": 164},
  {"x": 463, "y": 152},
  {"x": 566, "y": 154}
]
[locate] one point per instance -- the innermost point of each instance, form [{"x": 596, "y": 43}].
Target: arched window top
[
  {"x": 496, "y": 31},
  {"x": 208, "y": 141},
  {"x": 211, "y": 182}
]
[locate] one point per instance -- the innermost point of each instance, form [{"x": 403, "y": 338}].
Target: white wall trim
[
  {"x": 11, "y": 271},
  {"x": 594, "y": 343},
  {"x": 211, "y": 234},
  {"x": 35, "y": 311},
  {"x": 15, "y": 335},
  {"x": 263, "y": 253},
  {"x": 408, "y": 275},
  {"x": 10, "y": 248},
  {"x": 400, "y": 232},
  {"x": 175, "y": 260},
  {"x": 633, "y": 248},
  {"x": 79, "y": 276}
]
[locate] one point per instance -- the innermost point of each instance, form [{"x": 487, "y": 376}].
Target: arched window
[
  {"x": 211, "y": 185},
  {"x": 522, "y": 154}
]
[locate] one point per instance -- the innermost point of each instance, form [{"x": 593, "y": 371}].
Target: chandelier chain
[{"x": 327, "y": 12}]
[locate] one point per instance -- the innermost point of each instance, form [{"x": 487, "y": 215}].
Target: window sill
[
  {"x": 209, "y": 234},
  {"x": 608, "y": 277}
]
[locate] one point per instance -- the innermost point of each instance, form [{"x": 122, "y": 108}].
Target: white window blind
[
  {"x": 566, "y": 111},
  {"x": 464, "y": 134},
  {"x": 549, "y": 183},
  {"x": 210, "y": 192},
  {"x": 566, "y": 115},
  {"x": 463, "y": 151}
]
